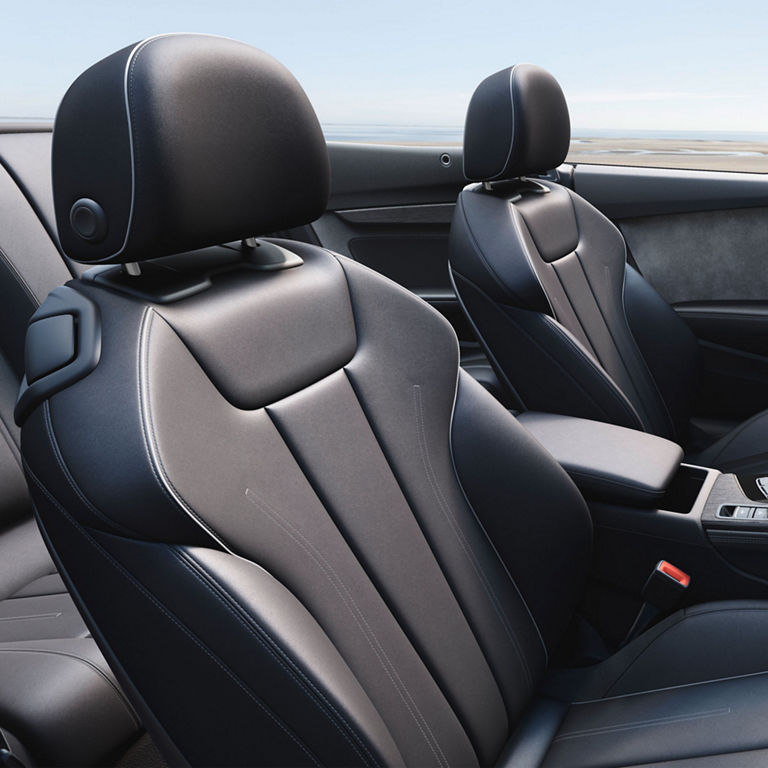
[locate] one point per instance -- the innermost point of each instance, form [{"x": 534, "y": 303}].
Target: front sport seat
[
  {"x": 542, "y": 275},
  {"x": 299, "y": 533}
]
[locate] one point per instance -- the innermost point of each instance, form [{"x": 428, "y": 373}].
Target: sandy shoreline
[
  {"x": 704, "y": 154},
  {"x": 695, "y": 154}
]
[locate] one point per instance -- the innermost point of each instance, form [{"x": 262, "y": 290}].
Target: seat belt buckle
[
  {"x": 663, "y": 590},
  {"x": 665, "y": 586}
]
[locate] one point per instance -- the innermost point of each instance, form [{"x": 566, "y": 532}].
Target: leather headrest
[
  {"x": 517, "y": 124},
  {"x": 180, "y": 142}
]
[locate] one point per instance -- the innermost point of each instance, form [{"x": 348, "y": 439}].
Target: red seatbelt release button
[
  {"x": 662, "y": 592},
  {"x": 665, "y": 586},
  {"x": 681, "y": 577}
]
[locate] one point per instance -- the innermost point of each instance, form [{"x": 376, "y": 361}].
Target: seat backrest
[
  {"x": 270, "y": 489},
  {"x": 542, "y": 274}
]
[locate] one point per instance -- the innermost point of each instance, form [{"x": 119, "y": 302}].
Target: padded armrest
[{"x": 605, "y": 461}]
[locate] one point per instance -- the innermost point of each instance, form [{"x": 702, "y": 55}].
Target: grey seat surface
[
  {"x": 316, "y": 541},
  {"x": 569, "y": 326}
]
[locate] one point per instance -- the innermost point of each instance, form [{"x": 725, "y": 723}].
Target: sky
[{"x": 674, "y": 65}]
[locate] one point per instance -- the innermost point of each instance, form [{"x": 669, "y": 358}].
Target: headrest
[
  {"x": 517, "y": 124},
  {"x": 180, "y": 142}
]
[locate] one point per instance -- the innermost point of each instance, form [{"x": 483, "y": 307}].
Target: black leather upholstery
[
  {"x": 145, "y": 134},
  {"x": 607, "y": 462},
  {"x": 58, "y": 699},
  {"x": 517, "y": 123},
  {"x": 568, "y": 325},
  {"x": 342, "y": 565},
  {"x": 560, "y": 309}
]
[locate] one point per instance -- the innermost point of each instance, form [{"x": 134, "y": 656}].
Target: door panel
[
  {"x": 391, "y": 209},
  {"x": 701, "y": 239},
  {"x": 734, "y": 341},
  {"x": 378, "y": 175},
  {"x": 624, "y": 193},
  {"x": 707, "y": 256}
]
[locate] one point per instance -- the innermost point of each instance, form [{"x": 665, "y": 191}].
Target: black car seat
[
  {"x": 300, "y": 534},
  {"x": 542, "y": 275},
  {"x": 59, "y": 702}
]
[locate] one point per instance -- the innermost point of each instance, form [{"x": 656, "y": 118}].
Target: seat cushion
[
  {"x": 58, "y": 697},
  {"x": 692, "y": 687},
  {"x": 704, "y": 642},
  {"x": 61, "y": 701},
  {"x": 682, "y": 722}
]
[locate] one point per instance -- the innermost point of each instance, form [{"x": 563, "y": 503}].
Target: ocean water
[
  {"x": 396, "y": 134},
  {"x": 420, "y": 134}
]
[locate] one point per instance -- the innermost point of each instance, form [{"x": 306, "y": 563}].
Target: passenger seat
[
  {"x": 59, "y": 702},
  {"x": 542, "y": 275}
]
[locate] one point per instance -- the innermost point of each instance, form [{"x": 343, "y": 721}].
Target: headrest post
[{"x": 132, "y": 268}]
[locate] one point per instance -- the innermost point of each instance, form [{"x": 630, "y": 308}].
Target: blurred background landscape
[{"x": 702, "y": 150}]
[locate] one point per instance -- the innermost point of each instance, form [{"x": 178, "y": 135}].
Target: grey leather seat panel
[
  {"x": 40, "y": 617},
  {"x": 59, "y": 698}
]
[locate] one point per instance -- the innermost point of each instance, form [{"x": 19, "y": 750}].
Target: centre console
[{"x": 648, "y": 505}]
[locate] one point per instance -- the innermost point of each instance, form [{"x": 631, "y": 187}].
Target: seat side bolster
[
  {"x": 547, "y": 365},
  {"x": 249, "y": 641},
  {"x": 674, "y": 365},
  {"x": 276, "y": 619},
  {"x": 529, "y": 507},
  {"x": 480, "y": 248}
]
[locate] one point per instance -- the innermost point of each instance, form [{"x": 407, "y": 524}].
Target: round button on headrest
[{"x": 88, "y": 220}]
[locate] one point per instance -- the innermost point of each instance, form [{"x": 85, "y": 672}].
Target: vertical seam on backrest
[
  {"x": 572, "y": 197},
  {"x": 276, "y": 651},
  {"x": 639, "y": 352},
  {"x": 614, "y": 389},
  {"x": 172, "y": 618},
  {"x": 347, "y": 597},
  {"x": 506, "y": 290},
  {"x": 592, "y": 348},
  {"x": 148, "y": 433},
  {"x": 645, "y": 418},
  {"x": 459, "y": 534},
  {"x": 497, "y": 368},
  {"x": 524, "y": 248},
  {"x": 482, "y": 527}
]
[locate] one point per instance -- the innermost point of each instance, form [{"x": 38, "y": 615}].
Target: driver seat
[{"x": 298, "y": 532}]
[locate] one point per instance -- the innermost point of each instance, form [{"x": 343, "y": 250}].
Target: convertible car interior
[
  {"x": 543, "y": 276},
  {"x": 282, "y": 486}
]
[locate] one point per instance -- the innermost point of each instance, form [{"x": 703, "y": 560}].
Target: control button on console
[
  {"x": 761, "y": 513},
  {"x": 743, "y": 513}
]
